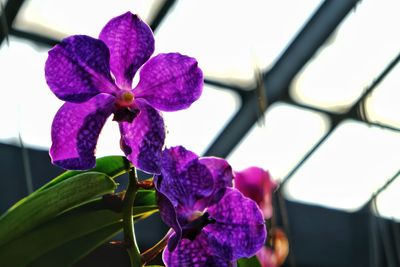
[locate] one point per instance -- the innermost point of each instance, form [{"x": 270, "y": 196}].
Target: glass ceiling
[
  {"x": 231, "y": 39},
  {"x": 355, "y": 161},
  {"x": 280, "y": 140},
  {"x": 77, "y": 17},
  {"x": 356, "y": 53}
]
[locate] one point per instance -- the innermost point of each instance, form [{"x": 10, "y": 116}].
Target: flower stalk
[
  {"x": 128, "y": 223},
  {"x": 152, "y": 252}
]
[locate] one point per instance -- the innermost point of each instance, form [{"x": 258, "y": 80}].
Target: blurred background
[{"x": 308, "y": 90}]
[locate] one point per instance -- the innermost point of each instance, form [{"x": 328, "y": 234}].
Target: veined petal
[
  {"x": 143, "y": 138},
  {"x": 131, "y": 43},
  {"x": 75, "y": 130},
  {"x": 170, "y": 82},
  {"x": 169, "y": 217},
  {"x": 184, "y": 179},
  {"x": 194, "y": 253},
  {"x": 78, "y": 69},
  {"x": 239, "y": 230},
  {"x": 222, "y": 175},
  {"x": 176, "y": 159}
]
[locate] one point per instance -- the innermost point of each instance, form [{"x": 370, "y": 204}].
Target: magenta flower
[
  {"x": 266, "y": 257},
  {"x": 214, "y": 224},
  {"x": 94, "y": 77},
  {"x": 256, "y": 183}
]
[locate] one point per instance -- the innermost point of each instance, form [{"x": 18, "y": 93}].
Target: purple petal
[
  {"x": 143, "y": 138},
  {"x": 78, "y": 69},
  {"x": 176, "y": 159},
  {"x": 131, "y": 44},
  {"x": 196, "y": 254},
  {"x": 184, "y": 179},
  {"x": 170, "y": 82},
  {"x": 169, "y": 217},
  {"x": 222, "y": 174},
  {"x": 75, "y": 130},
  {"x": 239, "y": 230}
]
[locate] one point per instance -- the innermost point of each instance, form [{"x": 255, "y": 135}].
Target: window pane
[
  {"x": 196, "y": 127},
  {"x": 383, "y": 104},
  {"x": 27, "y": 105},
  {"x": 355, "y": 54},
  {"x": 62, "y": 18},
  {"x": 280, "y": 141},
  {"x": 348, "y": 168},
  {"x": 388, "y": 201},
  {"x": 231, "y": 38}
]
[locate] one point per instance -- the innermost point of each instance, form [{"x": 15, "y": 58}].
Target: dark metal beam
[
  {"x": 37, "y": 38},
  {"x": 7, "y": 17},
  {"x": 243, "y": 92},
  {"x": 162, "y": 12},
  {"x": 276, "y": 81},
  {"x": 48, "y": 41}
]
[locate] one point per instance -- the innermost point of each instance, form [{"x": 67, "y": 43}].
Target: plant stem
[
  {"x": 128, "y": 223},
  {"x": 152, "y": 252}
]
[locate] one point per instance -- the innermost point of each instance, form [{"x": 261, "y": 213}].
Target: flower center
[
  {"x": 194, "y": 216},
  {"x": 126, "y": 110},
  {"x": 125, "y": 98},
  {"x": 193, "y": 228}
]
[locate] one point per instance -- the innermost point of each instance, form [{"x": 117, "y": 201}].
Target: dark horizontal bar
[
  {"x": 242, "y": 91},
  {"x": 38, "y": 38}
]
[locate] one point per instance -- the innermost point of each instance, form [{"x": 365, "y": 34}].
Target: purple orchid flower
[
  {"x": 214, "y": 224},
  {"x": 94, "y": 77}
]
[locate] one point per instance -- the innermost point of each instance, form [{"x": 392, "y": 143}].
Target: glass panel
[
  {"x": 231, "y": 38},
  {"x": 62, "y": 18},
  {"x": 383, "y": 104},
  {"x": 388, "y": 201},
  {"x": 280, "y": 141},
  {"x": 27, "y": 105},
  {"x": 348, "y": 168},
  {"x": 197, "y": 126},
  {"x": 352, "y": 58}
]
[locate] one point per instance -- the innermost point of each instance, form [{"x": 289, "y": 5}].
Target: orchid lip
[
  {"x": 193, "y": 228},
  {"x": 125, "y": 114}
]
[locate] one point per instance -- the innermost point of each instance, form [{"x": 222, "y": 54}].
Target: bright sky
[{"x": 229, "y": 43}]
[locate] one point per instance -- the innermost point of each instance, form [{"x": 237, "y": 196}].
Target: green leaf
[
  {"x": 113, "y": 166},
  {"x": 88, "y": 220},
  {"x": 56, "y": 232},
  {"x": 145, "y": 204},
  {"x": 248, "y": 262},
  {"x": 145, "y": 198},
  {"x": 70, "y": 252},
  {"x": 52, "y": 201}
]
